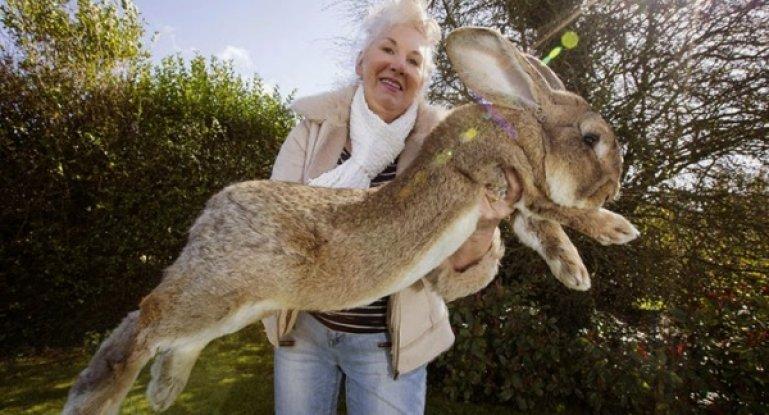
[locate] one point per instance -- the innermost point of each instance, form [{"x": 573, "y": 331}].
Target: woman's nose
[{"x": 398, "y": 64}]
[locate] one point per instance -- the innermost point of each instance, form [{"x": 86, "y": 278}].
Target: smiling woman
[
  {"x": 392, "y": 70},
  {"x": 360, "y": 136}
]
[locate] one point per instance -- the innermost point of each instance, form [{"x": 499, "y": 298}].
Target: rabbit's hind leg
[
  {"x": 102, "y": 386},
  {"x": 170, "y": 372},
  {"x": 172, "y": 366}
]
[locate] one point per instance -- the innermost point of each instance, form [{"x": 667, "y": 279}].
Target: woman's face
[{"x": 393, "y": 70}]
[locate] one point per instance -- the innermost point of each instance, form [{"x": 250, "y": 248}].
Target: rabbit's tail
[
  {"x": 102, "y": 386},
  {"x": 170, "y": 372}
]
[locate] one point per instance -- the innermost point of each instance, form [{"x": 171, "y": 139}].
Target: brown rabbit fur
[{"x": 260, "y": 246}]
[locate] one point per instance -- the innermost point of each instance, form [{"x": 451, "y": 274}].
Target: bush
[
  {"x": 100, "y": 181},
  {"x": 529, "y": 342}
]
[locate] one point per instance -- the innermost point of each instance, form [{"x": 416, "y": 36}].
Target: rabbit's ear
[
  {"x": 553, "y": 81},
  {"x": 492, "y": 66}
]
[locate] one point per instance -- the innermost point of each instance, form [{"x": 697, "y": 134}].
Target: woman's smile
[{"x": 391, "y": 84}]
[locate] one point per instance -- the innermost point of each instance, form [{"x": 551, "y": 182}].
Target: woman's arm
[
  {"x": 452, "y": 284},
  {"x": 476, "y": 262},
  {"x": 494, "y": 208},
  {"x": 288, "y": 167},
  {"x": 473, "y": 250},
  {"x": 289, "y": 164}
]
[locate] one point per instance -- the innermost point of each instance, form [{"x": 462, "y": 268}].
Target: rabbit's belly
[
  {"x": 242, "y": 316},
  {"x": 448, "y": 243}
]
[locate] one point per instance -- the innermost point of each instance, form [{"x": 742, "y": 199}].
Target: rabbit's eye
[{"x": 590, "y": 139}]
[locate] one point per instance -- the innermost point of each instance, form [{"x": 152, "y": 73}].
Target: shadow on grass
[{"x": 233, "y": 376}]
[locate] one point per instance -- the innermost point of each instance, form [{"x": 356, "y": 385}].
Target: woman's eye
[
  {"x": 414, "y": 62},
  {"x": 388, "y": 50}
]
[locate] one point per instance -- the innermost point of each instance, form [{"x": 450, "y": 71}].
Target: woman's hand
[{"x": 494, "y": 208}]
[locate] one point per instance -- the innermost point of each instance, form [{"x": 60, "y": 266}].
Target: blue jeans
[{"x": 309, "y": 372}]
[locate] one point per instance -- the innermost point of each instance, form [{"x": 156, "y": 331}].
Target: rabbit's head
[{"x": 577, "y": 154}]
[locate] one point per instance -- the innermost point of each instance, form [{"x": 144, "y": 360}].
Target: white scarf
[{"x": 375, "y": 144}]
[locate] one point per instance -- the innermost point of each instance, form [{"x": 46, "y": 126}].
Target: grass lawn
[{"x": 233, "y": 376}]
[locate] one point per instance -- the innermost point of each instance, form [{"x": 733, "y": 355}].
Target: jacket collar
[{"x": 334, "y": 108}]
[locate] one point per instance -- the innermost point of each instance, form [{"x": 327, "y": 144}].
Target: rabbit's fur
[{"x": 260, "y": 246}]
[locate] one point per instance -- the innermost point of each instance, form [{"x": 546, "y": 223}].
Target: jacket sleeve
[
  {"x": 288, "y": 167},
  {"x": 289, "y": 164},
  {"x": 452, "y": 284}
]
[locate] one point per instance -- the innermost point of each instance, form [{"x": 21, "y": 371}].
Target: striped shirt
[{"x": 371, "y": 318}]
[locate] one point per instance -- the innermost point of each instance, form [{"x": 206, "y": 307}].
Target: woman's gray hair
[{"x": 389, "y": 13}]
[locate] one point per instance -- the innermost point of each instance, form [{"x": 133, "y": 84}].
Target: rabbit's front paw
[
  {"x": 570, "y": 271},
  {"x": 549, "y": 239},
  {"x": 609, "y": 228}
]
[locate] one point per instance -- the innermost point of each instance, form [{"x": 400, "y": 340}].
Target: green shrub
[
  {"x": 529, "y": 342},
  {"x": 100, "y": 182}
]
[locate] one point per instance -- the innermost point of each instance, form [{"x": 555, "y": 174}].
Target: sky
[{"x": 294, "y": 44}]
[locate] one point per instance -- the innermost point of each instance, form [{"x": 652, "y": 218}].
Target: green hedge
[
  {"x": 100, "y": 181},
  {"x": 529, "y": 342}
]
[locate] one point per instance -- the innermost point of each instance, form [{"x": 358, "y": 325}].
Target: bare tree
[{"x": 684, "y": 84}]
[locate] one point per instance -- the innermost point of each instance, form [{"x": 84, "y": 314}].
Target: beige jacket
[{"x": 418, "y": 320}]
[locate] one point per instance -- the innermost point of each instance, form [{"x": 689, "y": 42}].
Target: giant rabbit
[{"x": 260, "y": 246}]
